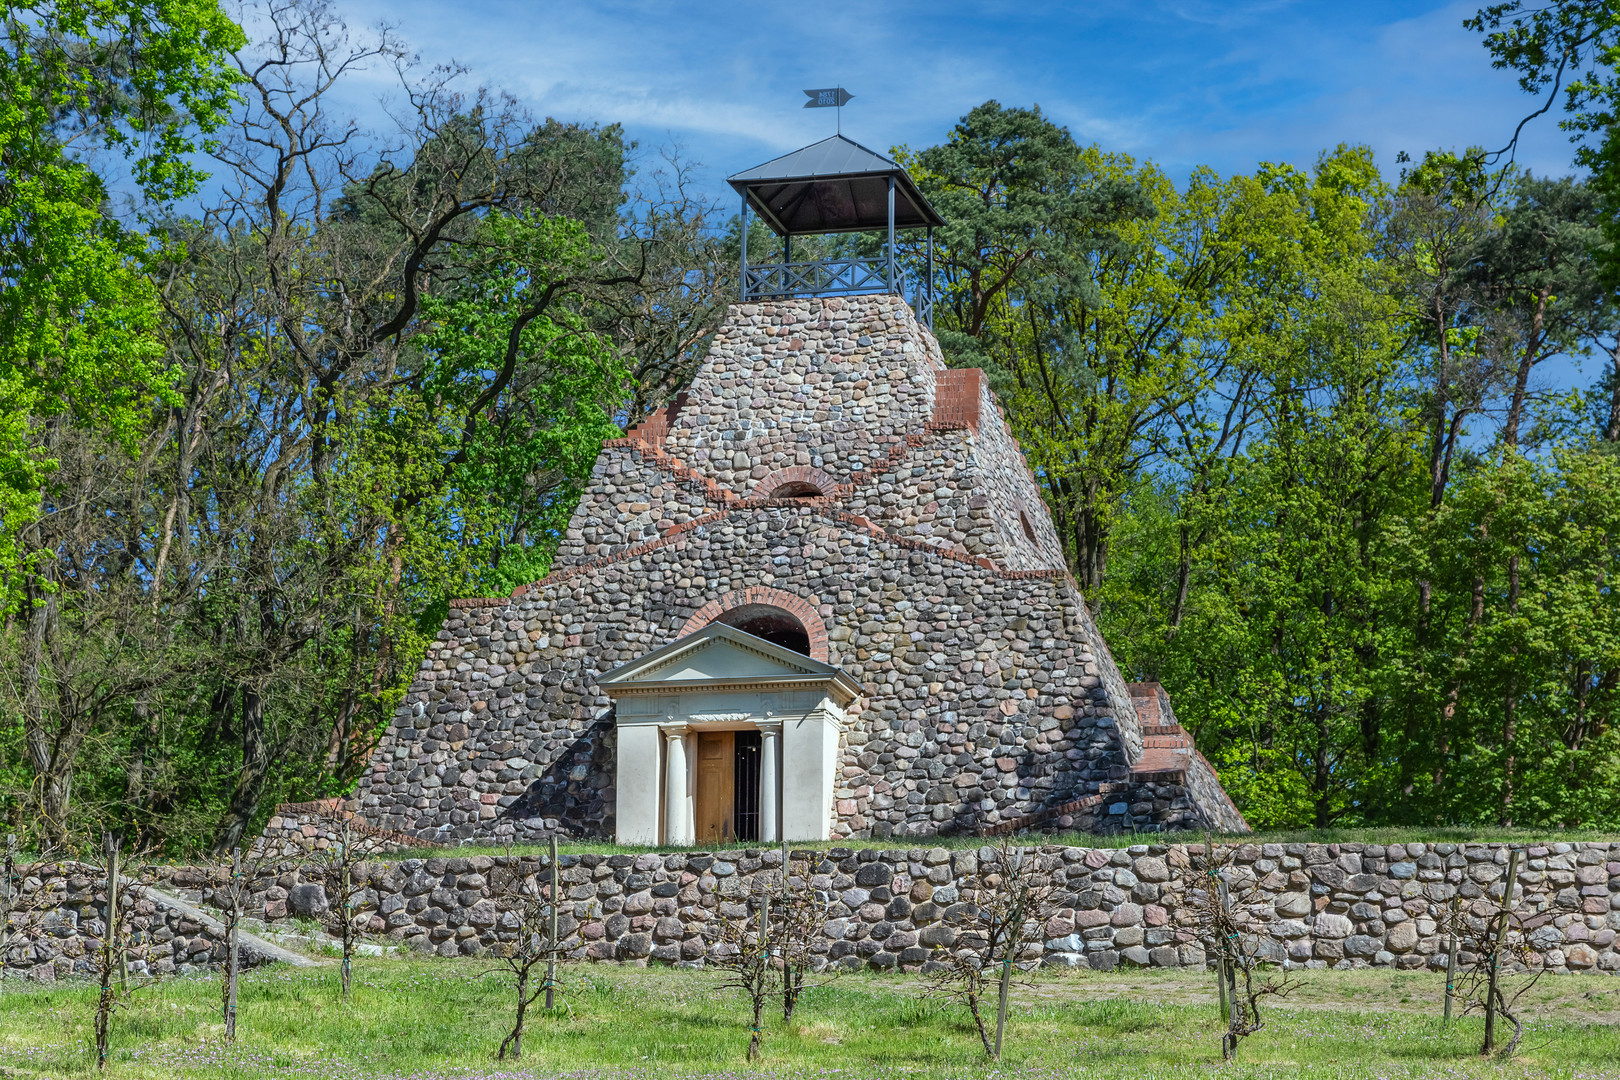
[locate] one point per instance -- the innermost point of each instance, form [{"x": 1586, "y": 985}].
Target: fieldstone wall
[
  {"x": 989, "y": 696},
  {"x": 1333, "y": 905},
  {"x": 58, "y": 937},
  {"x": 298, "y": 828}
]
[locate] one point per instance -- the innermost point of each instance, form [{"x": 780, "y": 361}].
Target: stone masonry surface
[
  {"x": 1323, "y": 905},
  {"x": 165, "y": 941},
  {"x": 811, "y": 456}
]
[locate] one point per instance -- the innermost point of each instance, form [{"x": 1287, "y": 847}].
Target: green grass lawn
[{"x": 426, "y": 1019}]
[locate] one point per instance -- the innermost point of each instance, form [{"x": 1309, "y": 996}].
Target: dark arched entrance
[{"x": 771, "y": 623}]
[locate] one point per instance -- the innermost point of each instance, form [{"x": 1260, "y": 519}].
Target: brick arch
[
  {"x": 794, "y": 474},
  {"x": 797, "y": 606}
]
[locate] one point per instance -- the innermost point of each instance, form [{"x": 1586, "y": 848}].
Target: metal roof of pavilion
[{"x": 835, "y": 185}]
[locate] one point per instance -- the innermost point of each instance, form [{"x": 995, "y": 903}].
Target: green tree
[
  {"x": 1536, "y": 270},
  {"x": 78, "y": 319},
  {"x": 394, "y": 360},
  {"x": 1258, "y": 577},
  {"x": 81, "y": 359},
  {"x": 1528, "y": 634},
  {"x": 1020, "y": 201}
]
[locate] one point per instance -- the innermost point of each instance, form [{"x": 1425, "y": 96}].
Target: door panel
[{"x": 714, "y": 822}]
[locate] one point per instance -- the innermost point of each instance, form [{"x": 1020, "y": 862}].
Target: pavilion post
[
  {"x": 893, "y": 285},
  {"x": 929, "y": 284},
  {"x": 743, "y": 288}
]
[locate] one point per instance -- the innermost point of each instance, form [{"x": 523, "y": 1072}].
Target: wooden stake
[
  {"x": 551, "y": 963},
  {"x": 1496, "y": 953},
  {"x": 112, "y": 847},
  {"x": 1451, "y": 972},
  {"x": 1229, "y": 966},
  {"x": 1220, "y": 947},
  {"x": 346, "y": 886},
  {"x": 5, "y": 904},
  {"x": 233, "y": 959}
]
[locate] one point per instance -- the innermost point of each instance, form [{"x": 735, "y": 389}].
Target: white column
[
  {"x": 677, "y": 816},
  {"x": 770, "y": 773}
]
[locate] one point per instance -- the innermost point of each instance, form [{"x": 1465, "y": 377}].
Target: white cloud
[{"x": 1185, "y": 82}]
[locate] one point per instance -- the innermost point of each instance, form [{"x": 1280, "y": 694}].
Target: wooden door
[{"x": 715, "y": 788}]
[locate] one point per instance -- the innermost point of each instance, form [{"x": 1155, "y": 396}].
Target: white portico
[{"x": 725, "y": 736}]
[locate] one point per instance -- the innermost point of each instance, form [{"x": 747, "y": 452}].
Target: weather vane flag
[{"x": 833, "y": 97}]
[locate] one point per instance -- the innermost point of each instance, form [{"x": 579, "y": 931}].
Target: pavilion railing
[
  {"x": 922, "y": 304},
  {"x": 833, "y": 277}
]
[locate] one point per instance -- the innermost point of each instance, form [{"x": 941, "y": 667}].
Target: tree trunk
[
  {"x": 104, "y": 1007},
  {"x": 1440, "y": 452},
  {"x": 53, "y": 743},
  {"x": 1510, "y": 706},
  {"x": 1448, "y": 712},
  {"x": 513, "y": 1043},
  {"x": 1321, "y": 777},
  {"x": 1521, "y": 383},
  {"x": 1183, "y": 582},
  {"x": 1612, "y": 429},
  {"x": 250, "y": 783},
  {"x": 978, "y": 1021},
  {"x": 755, "y": 1047}
]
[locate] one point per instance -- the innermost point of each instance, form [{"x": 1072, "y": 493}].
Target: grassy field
[
  {"x": 1426, "y": 835},
  {"x": 427, "y": 1019}
]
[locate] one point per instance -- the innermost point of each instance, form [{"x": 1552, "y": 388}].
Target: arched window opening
[
  {"x": 1029, "y": 530},
  {"x": 770, "y": 623},
  {"x": 798, "y": 489}
]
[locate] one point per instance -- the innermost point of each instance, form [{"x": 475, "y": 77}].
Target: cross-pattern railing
[
  {"x": 922, "y": 304},
  {"x": 827, "y": 277},
  {"x": 833, "y": 277}
]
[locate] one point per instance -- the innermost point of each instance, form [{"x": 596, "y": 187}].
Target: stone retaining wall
[
  {"x": 1333, "y": 905},
  {"x": 60, "y": 939}
]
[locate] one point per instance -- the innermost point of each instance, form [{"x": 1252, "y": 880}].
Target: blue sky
[{"x": 1184, "y": 83}]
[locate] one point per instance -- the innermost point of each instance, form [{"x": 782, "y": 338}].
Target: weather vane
[{"x": 833, "y": 97}]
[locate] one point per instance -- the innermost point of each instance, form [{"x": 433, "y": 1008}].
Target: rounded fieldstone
[
  {"x": 1293, "y": 905},
  {"x": 308, "y": 900},
  {"x": 1580, "y": 956},
  {"x": 874, "y": 874},
  {"x": 1402, "y": 938},
  {"x": 1329, "y": 925},
  {"x": 1362, "y": 945},
  {"x": 1151, "y": 869},
  {"x": 1127, "y": 915}
]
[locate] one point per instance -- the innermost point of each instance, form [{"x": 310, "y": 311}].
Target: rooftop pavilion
[{"x": 834, "y": 186}]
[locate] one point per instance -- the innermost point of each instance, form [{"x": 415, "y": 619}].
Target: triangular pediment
[
  {"x": 717, "y": 655},
  {"x": 719, "y": 659}
]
